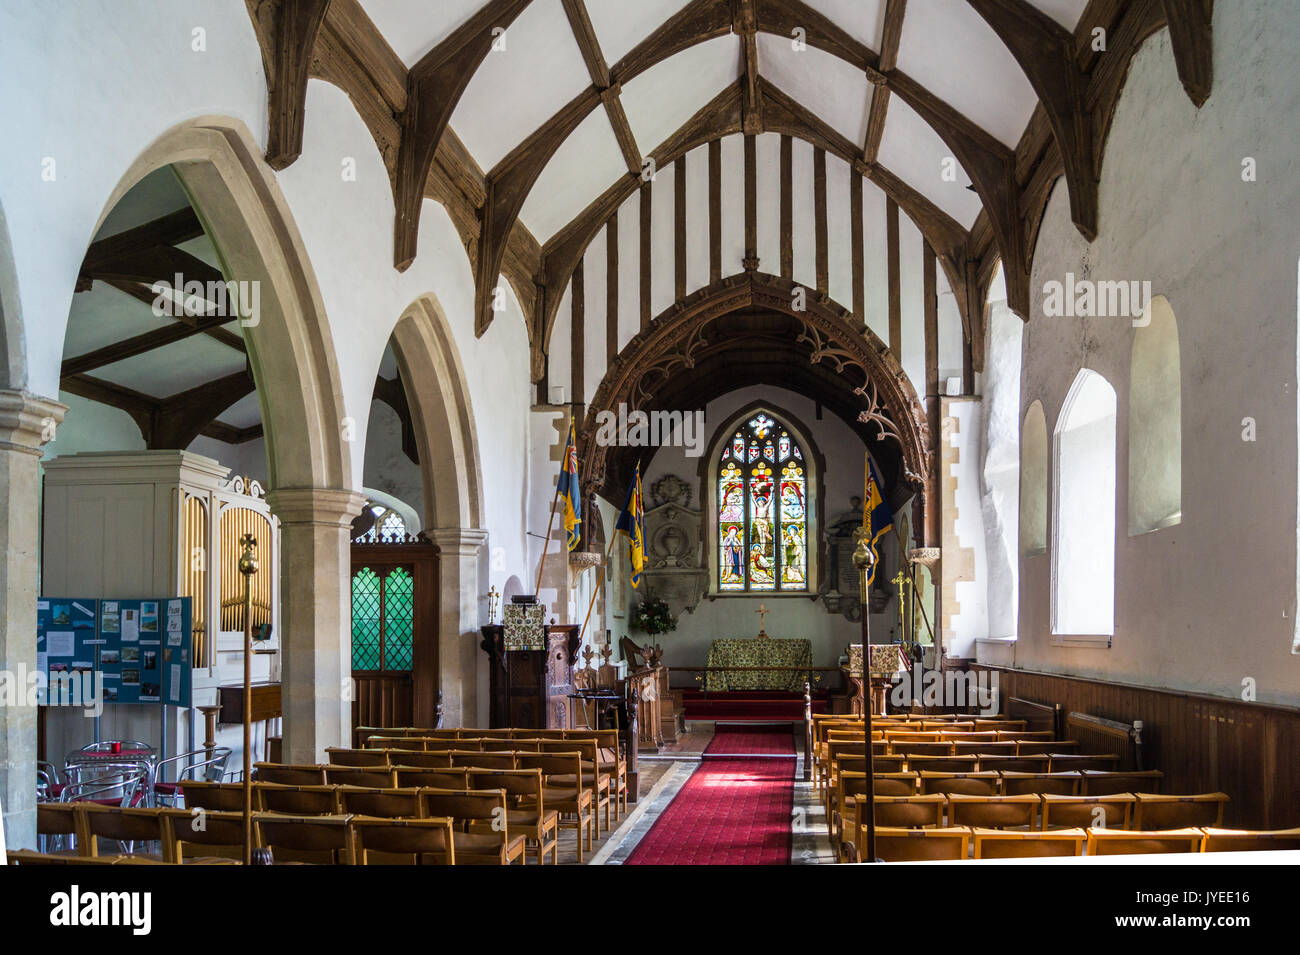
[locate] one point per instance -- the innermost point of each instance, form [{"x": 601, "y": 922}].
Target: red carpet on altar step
[
  {"x": 752, "y": 739},
  {"x": 730, "y": 812}
]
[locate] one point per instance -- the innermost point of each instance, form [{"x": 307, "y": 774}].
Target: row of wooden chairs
[
  {"x": 961, "y": 842},
  {"x": 572, "y": 787},
  {"x": 182, "y": 834}
]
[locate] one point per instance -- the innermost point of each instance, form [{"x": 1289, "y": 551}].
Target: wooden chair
[
  {"x": 368, "y": 777},
  {"x": 989, "y": 737},
  {"x": 194, "y": 835},
  {"x": 1062, "y": 784},
  {"x": 61, "y": 823},
  {"x": 31, "y": 857},
  {"x": 1015, "y": 844},
  {"x": 1111, "y": 842},
  {"x": 490, "y": 842},
  {"x": 939, "y": 748},
  {"x": 1065, "y": 762},
  {"x": 338, "y": 756},
  {"x": 287, "y": 774},
  {"x": 612, "y": 761},
  {"x": 600, "y": 783},
  {"x": 970, "y": 784},
  {"x": 298, "y": 800},
  {"x": 452, "y": 745},
  {"x": 1003, "y": 725},
  {"x": 381, "y": 803},
  {"x": 449, "y": 778},
  {"x": 481, "y": 760},
  {"x": 913, "y": 736},
  {"x": 562, "y": 793},
  {"x": 1045, "y": 747},
  {"x": 943, "y": 764},
  {"x": 983, "y": 748},
  {"x": 993, "y": 812},
  {"x": 126, "y": 827},
  {"x": 1178, "y": 812},
  {"x": 1114, "y": 811},
  {"x": 420, "y": 760},
  {"x": 997, "y": 762},
  {"x": 916, "y": 845},
  {"x": 906, "y": 812},
  {"x": 319, "y": 840},
  {"x": 1099, "y": 783},
  {"x": 1249, "y": 840},
  {"x": 526, "y": 810},
  {"x": 400, "y": 841},
  {"x": 215, "y": 797},
  {"x": 894, "y": 784},
  {"x": 1037, "y": 736}
]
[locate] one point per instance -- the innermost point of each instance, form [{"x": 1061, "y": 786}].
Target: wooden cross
[{"x": 762, "y": 612}]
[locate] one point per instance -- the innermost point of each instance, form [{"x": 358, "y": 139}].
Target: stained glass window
[
  {"x": 383, "y": 619},
  {"x": 762, "y": 510}
]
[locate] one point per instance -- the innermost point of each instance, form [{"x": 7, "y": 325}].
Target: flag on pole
[
  {"x": 570, "y": 492},
  {"x": 879, "y": 519},
  {"x": 632, "y": 523}
]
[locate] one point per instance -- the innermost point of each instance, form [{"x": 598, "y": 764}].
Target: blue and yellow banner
[
  {"x": 632, "y": 523},
  {"x": 570, "y": 492},
  {"x": 878, "y": 518}
]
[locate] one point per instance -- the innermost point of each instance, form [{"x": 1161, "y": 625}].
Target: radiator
[{"x": 1098, "y": 735}]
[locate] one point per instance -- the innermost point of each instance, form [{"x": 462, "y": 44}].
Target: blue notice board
[{"x": 142, "y": 649}]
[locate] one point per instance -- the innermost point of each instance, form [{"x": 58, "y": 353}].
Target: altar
[{"x": 758, "y": 652}]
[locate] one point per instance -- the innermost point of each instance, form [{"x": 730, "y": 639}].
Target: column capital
[
  {"x": 461, "y": 541},
  {"x": 28, "y": 421},
  {"x": 315, "y": 505}
]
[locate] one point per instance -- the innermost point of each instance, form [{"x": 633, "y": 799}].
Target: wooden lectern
[{"x": 530, "y": 688}]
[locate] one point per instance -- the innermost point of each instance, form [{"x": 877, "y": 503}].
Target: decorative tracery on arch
[{"x": 673, "y": 341}]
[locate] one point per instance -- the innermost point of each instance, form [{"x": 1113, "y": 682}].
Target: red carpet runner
[{"x": 732, "y": 811}]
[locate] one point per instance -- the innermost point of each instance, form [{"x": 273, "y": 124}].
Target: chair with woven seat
[
  {"x": 126, "y": 827},
  {"x": 289, "y": 774},
  {"x": 526, "y": 809},
  {"x": 215, "y": 797},
  {"x": 203, "y": 834},
  {"x": 569, "y": 798},
  {"x": 409, "y": 777},
  {"x": 1061, "y": 784},
  {"x": 439, "y": 760},
  {"x": 1113, "y": 811},
  {"x": 600, "y": 783},
  {"x": 368, "y": 777},
  {"x": 402, "y": 841},
  {"x": 318, "y": 840},
  {"x": 611, "y": 760},
  {"x": 1178, "y": 812},
  {"x": 298, "y": 800},
  {"x": 904, "y": 812},
  {"x": 1095, "y": 782},
  {"x": 1108, "y": 842},
  {"x": 480, "y": 760},
  {"x": 402, "y": 803},
  {"x": 339, "y": 756},
  {"x": 916, "y": 845},
  {"x": 59, "y": 828},
  {"x": 1249, "y": 840},
  {"x": 970, "y": 784},
  {"x": 1034, "y": 844},
  {"x": 482, "y": 835},
  {"x": 993, "y": 812}
]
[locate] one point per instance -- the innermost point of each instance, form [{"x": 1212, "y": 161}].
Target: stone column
[
  {"x": 458, "y": 622},
  {"x": 316, "y": 618},
  {"x": 26, "y": 422}
]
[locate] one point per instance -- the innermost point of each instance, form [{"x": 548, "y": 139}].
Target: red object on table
[{"x": 116, "y": 747}]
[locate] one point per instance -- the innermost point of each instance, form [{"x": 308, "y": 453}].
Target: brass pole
[
  {"x": 862, "y": 560},
  {"x": 248, "y": 567}
]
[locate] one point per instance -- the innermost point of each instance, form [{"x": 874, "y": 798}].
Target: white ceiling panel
[
  {"x": 167, "y": 371},
  {"x": 864, "y": 20},
  {"x": 244, "y": 413},
  {"x": 1064, "y": 12},
  {"x": 912, "y": 150},
  {"x": 414, "y": 27},
  {"x": 823, "y": 83},
  {"x": 519, "y": 88},
  {"x": 104, "y": 316},
  {"x": 582, "y": 168},
  {"x": 620, "y": 24},
  {"x": 949, "y": 49},
  {"x": 152, "y": 197},
  {"x": 665, "y": 96}
]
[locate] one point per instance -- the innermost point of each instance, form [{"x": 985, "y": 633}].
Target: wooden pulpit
[{"x": 530, "y": 689}]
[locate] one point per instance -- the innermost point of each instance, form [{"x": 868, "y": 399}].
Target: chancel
[{"x": 533, "y": 432}]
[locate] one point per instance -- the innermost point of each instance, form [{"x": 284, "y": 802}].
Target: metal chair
[
  {"x": 209, "y": 768},
  {"x": 116, "y": 785}
]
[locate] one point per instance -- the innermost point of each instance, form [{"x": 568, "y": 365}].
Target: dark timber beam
[
  {"x": 1045, "y": 51},
  {"x": 1191, "y": 35},
  {"x": 598, "y": 69},
  {"x": 745, "y": 26},
  {"x": 295, "y": 25},
  {"x": 434, "y": 87},
  {"x": 172, "y": 229}
]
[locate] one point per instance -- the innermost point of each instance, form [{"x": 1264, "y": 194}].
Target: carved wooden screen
[{"x": 394, "y": 630}]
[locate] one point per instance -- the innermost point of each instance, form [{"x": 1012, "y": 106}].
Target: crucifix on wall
[{"x": 762, "y": 612}]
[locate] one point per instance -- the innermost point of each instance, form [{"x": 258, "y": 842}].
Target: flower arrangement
[{"x": 652, "y": 616}]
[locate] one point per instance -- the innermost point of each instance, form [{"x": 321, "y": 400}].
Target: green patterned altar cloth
[{"x": 754, "y": 652}]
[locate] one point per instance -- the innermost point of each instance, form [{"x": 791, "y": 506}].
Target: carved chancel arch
[{"x": 872, "y": 378}]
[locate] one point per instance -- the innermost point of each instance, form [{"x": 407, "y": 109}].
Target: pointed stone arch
[{"x": 13, "y": 363}]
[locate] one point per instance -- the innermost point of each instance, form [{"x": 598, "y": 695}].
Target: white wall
[{"x": 1211, "y": 602}]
